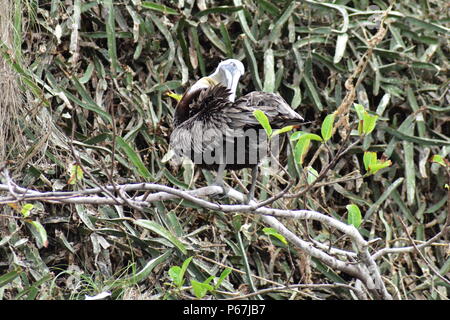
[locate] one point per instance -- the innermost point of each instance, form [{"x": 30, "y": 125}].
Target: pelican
[{"x": 218, "y": 132}]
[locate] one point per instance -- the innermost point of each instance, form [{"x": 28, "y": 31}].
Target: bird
[{"x": 219, "y": 132}]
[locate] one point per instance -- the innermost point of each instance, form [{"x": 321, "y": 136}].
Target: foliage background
[{"x": 87, "y": 81}]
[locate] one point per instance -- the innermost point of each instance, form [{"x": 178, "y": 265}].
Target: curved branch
[{"x": 366, "y": 270}]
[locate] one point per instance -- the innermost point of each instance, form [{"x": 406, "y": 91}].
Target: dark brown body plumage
[{"x": 210, "y": 126}]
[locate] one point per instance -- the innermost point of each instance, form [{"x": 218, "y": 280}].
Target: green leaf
[
  {"x": 9, "y": 277},
  {"x": 296, "y": 135},
  {"x": 174, "y": 180},
  {"x": 175, "y": 275},
  {"x": 341, "y": 43},
  {"x": 162, "y": 27},
  {"x": 312, "y": 174},
  {"x": 359, "y": 110},
  {"x": 382, "y": 198},
  {"x": 166, "y": 86},
  {"x": 207, "y": 281},
  {"x": 311, "y": 87},
  {"x": 326, "y": 60},
  {"x": 197, "y": 46},
  {"x": 282, "y": 130},
  {"x": 252, "y": 63},
  {"x": 301, "y": 148},
  {"x": 163, "y": 232},
  {"x": 380, "y": 164},
  {"x": 87, "y": 74},
  {"x": 354, "y": 215},
  {"x": 383, "y": 103},
  {"x": 269, "y": 71},
  {"x": 272, "y": 232},
  {"x": 264, "y": 121},
  {"x": 438, "y": 159},
  {"x": 159, "y": 7},
  {"x": 305, "y": 135},
  {"x": 84, "y": 216},
  {"x": 243, "y": 22},
  {"x": 308, "y": 41},
  {"x": 410, "y": 169},
  {"x": 88, "y": 103},
  {"x": 327, "y": 127},
  {"x": 411, "y": 138},
  {"x": 76, "y": 174},
  {"x": 278, "y": 25},
  {"x": 188, "y": 171},
  {"x": 226, "y": 40},
  {"x": 184, "y": 267},
  {"x": 30, "y": 292},
  {"x": 134, "y": 157},
  {"x": 25, "y": 211},
  {"x": 222, "y": 277},
  {"x": 111, "y": 33},
  {"x": 146, "y": 270},
  {"x": 326, "y": 271},
  {"x": 200, "y": 289},
  {"x": 269, "y": 7},
  {"x": 340, "y": 8},
  {"x": 369, "y": 159},
  {"x": 220, "y": 9},
  {"x": 297, "y": 96},
  {"x": 360, "y": 127},
  {"x": 372, "y": 164},
  {"x": 38, "y": 232},
  {"x": 312, "y": 136},
  {"x": 427, "y": 25},
  {"x": 169, "y": 155},
  {"x": 369, "y": 122},
  {"x": 212, "y": 37}
]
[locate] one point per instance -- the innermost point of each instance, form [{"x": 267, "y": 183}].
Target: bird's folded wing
[{"x": 275, "y": 108}]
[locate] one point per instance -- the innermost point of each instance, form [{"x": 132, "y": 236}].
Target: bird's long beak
[{"x": 227, "y": 74}]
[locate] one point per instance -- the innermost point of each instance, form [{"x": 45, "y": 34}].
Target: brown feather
[{"x": 212, "y": 121}]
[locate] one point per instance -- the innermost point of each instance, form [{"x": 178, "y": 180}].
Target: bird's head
[{"x": 226, "y": 74}]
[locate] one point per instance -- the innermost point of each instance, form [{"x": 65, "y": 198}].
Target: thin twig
[
  {"x": 296, "y": 286},
  {"x": 432, "y": 268}
]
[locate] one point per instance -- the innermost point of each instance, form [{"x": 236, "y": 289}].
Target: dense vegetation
[{"x": 86, "y": 101}]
